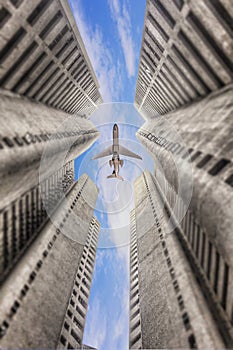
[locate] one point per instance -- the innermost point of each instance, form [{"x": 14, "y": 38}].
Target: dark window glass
[
  {"x": 222, "y": 163},
  {"x": 209, "y": 260},
  {"x": 217, "y": 261},
  {"x": 225, "y": 285},
  {"x": 229, "y": 180},
  {"x": 203, "y": 249},
  {"x": 204, "y": 161}
]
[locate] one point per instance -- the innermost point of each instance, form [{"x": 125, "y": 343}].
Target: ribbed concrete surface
[
  {"x": 165, "y": 275},
  {"x": 38, "y": 319},
  {"x": 19, "y": 167}
]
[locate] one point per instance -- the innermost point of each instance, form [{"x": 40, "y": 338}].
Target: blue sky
[{"x": 112, "y": 31}]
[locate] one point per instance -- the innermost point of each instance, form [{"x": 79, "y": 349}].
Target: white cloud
[
  {"x": 121, "y": 17},
  {"x": 97, "y": 330},
  {"x": 121, "y": 293},
  {"x": 106, "y": 69}
]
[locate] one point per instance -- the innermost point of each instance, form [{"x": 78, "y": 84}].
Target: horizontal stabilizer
[
  {"x": 126, "y": 152},
  {"x": 105, "y": 153},
  {"x": 115, "y": 176}
]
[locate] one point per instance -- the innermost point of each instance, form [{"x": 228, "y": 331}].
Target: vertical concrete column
[
  {"x": 21, "y": 223},
  {"x": 33, "y": 210},
  {"x": 28, "y": 215},
  {"x": 38, "y": 207},
  {"x": 1, "y": 242},
  {"x": 5, "y": 239},
  {"x": 13, "y": 230},
  {"x": 17, "y": 225}
]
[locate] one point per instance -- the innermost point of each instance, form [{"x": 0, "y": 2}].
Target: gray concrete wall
[
  {"x": 32, "y": 124},
  {"x": 173, "y": 312},
  {"x": 186, "y": 53},
  {"x": 74, "y": 321},
  {"x": 43, "y": 56},
  {"x": 204, "y": 127},
  {"x": 34, "y": 298}
]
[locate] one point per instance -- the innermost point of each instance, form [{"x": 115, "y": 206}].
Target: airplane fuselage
[
  {"x": 115, "y": 162},
  {"x": 115, "y": 136}
]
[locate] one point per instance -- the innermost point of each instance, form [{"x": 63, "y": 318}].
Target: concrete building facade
[
  {"x": 167, "y": 305},
  {"x": 135, "y": 335},
  {"x": 184, "y": 91},
  {"x": 48, "y": 235},
  {"x": 43, "y": 56},
  {"x": 204, "y": 157},
  {"x": 186, "y": 53},
  {"x": 53, "y": 278}
]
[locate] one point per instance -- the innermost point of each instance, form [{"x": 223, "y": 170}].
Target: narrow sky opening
[{"x": 112, "y": 31}]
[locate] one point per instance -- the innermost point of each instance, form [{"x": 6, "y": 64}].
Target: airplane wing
[
  {"x": 105, "y": 153},
  {"x": 125, "y": 152}
]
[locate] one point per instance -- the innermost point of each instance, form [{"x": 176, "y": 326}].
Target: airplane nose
[{"x": 115, "y": 126}]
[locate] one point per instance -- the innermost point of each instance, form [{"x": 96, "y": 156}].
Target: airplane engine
[
  {"x": 121, "y": 163},
  {"x": 110, "y": 163}
]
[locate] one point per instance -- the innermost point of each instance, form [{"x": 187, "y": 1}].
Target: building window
[
  {"x": 82, "y": 301},
  {"x": 80, "y": 311},
  {"x": 181, "y": 302},
  {"x": 222, "y": 163},
  {"x": 209, "y": 260},
  {"x": 134, "y": 314},
  {"x": 69, "y": 313},
  {"x": 63, "y": 340},
  {"x": 186, "y": 321},
  {"x": 77, "y": 323},
  {"x": 66, "y": 326},
  {"x": 135, "y": 339},
  {"x": 84, "y": 292},
  {"x": 225, "y": 285},
  {"x": 229, "y": 180},
  {"x": 192, "y": 341},
  {"x": 204, "y": 161},
  {"x": 75, "y": 336},
  {"x": 203, "y": 249},
  {"x": 195, "y": 156},
  {"x": 216, "y": 272},
  {"x": 198, "y": 241},
  {"x": 137, "y": 324}
]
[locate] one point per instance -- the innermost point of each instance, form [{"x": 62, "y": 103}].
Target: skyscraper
[
  {"x": 184, "y": 91},
  {"x": 186, "y": 53},
  {"x": 48, "y": 90},
  {"x": 44, "y": 300},
  {"x": 167, "y": 307},
  {"x": 41, "y": 54}
]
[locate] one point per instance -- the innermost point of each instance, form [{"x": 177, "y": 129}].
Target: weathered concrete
[
  {"x": 186, "y": 53},
  {"x": 205, "y": 126},
  {"x": 27, "y": 120},
  {"x": 173, "y": 312},
  {"x": 48, "y": 269},
  {"x": 43, "y": 56}
]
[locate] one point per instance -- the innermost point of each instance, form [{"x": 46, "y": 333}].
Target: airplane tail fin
[
  {"x": 120, "y": 178},
  {"x": 111, "y": 176},
  {"x": 114, "y": 175}
]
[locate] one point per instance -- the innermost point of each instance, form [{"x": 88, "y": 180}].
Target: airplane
[{"x": 115, "y": 150}]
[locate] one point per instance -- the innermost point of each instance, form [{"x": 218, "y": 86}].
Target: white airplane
[{"x": 115, "y": 150}]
